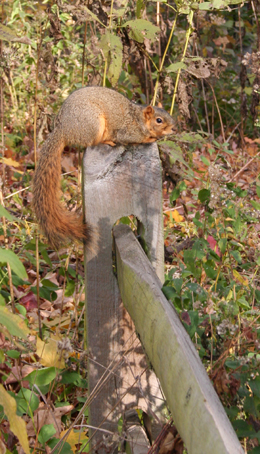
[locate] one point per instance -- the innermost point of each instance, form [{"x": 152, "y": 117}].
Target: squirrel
[{"x": 89, "y": 116}]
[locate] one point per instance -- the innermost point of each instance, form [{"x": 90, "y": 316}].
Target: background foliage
[{"x": 201, "y": 60}]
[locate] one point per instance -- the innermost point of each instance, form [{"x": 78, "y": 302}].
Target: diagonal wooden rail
[{"x": 197, "y": 412}]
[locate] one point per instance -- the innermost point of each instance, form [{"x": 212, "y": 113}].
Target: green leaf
[
  {"x": 93, "y": 15},
  {"x": 13, "y": 354},
  {"x": 45, "y": 293},
  {"x": 177, "y": 191},
  {"x": 184, "y": 9},
  {"x": 46, "y": 257},
  {"x": 71, "y": 271},
  {"x": 113, "y": 50},
  {"x": 222, "y": 244},
  {"x": 255, "y": 386},
  {"x": 49, "y": 284},
  {"x": 256, "y": 205},
  {"x": 5, "y": 213},
  {"x": 204, "y": 195},
  {"x": 2, "y": 300},
  {"x": 16, "y": 265},
  {"x": 232, "y": 364},
  {"x": 73, "y": 378},
  {"x": 205, "y": 160},
  {"x": 70, "y": 288},
  {"x": 66, "y": 449},
  {"x": 258, "y": 190},
  {"x": 232, "y": 412},
  {"x": 21, "y": 309},
  {"x": 141, "y": 29},
  {"x": 205, "y": 6},
  {"x": 174, "y": 67},
  {"x": 177, "y": 282},
  {"x": 237, "y": 256},
  {"x": 169, "y": 292},
  {"x": 46, "y": 432},
  {"x": 140, "y": 6},
  {"x": 15, "y": 325},
  {"x": 197, "y": 223},
  {"x": 2, "y": 356},
  {"x": 17, "y": 424},
  {"x": 214, "y": 255},
  {"x": 218, "y": 4},
  {"x": 27, "y": 401},
  {"x": 242, "y": 302},
  {"x": 175, "y": 150},
  {"x": 42, "y": 377},
  {"x": 250, "y": 406},
  {"x": 210, "y": 272},
  {"x": 242, "y": 428}
]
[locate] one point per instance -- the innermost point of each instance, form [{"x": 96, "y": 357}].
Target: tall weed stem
[
  {"x": 110, "y": 26},
  {"x": 188, "y": 33},
  {"x": 162, "y": 62}
]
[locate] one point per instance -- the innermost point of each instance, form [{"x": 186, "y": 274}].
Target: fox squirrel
[{"x": 89, "y": 116}]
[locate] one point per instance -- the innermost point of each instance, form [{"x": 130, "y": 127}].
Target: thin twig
[
  {"x": 106, "y": 59},
  {"x": 205, "y": 100},
  {"x": 83, "y": 54},
  {"x": 219, "y": 114},
  {"x": 188, "y": 33},
  {"x": 244, "y": 167},
  {"x": 232, "y": 132},
  {"x": 162, "y": 62},
  {"x": 39, "y": 44}
]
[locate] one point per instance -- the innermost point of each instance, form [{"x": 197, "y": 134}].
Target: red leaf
[
  {"x": 29, "y": 301},
  {"x": 213, "y": 245}
]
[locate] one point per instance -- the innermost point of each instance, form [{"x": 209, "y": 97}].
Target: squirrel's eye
[{"x": 158, "y": 120}]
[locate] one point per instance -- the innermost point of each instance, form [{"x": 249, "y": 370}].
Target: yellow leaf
[
  {"x": 74, "y": 438},
  {"x": 243, "y": 280},
  {"x": 174, "y": 217},
  {"x": 49, "y": 354},
  {"x": 14, "y": 323},
  {"x": 10, "y": 162},
  {"x": 17, "y": 424},
  {"x": 177, "y": 216}
]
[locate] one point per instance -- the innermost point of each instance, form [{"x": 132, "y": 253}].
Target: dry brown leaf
[
  {"x": 18, "y": 373},
  {"x": 67, "y": 163},
  {"x": 46, "y": 415}
]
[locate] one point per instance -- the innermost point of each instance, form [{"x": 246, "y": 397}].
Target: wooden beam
[
  {"x": 197, "y": 411},
  {"x": 119, "y": 181}
]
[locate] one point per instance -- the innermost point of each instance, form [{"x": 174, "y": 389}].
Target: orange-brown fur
[{"x": 89, "y": 116}]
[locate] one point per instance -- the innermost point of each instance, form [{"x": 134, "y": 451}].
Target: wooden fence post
[{"x": 118, "y": 182}]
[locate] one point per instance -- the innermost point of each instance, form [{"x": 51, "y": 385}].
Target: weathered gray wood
[
  {"x": 119, "y": 182},
  {"x": 198, "y": 414},
  {"x": 137, "y": 440}
]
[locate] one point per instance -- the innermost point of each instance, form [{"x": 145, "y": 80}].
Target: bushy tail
[{"x": 58, "y": 224}]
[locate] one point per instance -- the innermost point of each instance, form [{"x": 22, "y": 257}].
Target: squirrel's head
[{"x": 158, "y": 121}]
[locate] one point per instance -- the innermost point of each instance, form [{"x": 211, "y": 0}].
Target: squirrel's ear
[{"x": 148, "y": 112}]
